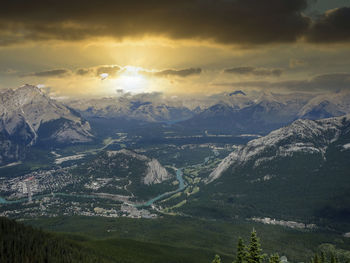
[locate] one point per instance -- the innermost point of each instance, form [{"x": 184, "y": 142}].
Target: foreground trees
[
  {"x": 252, "y": 253},
  {"x": 242, "y": 254}
]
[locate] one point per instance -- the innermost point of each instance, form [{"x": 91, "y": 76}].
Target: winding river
[{"x": 161, "y": 196}]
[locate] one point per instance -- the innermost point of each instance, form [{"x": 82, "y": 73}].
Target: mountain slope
[
  {"x": 20, "y": 243},
  {"x": 305, "y": 136},
  {"x": 29, "y": 117},
  {"x": 299, "y": 172},
  {"x": 326, "y": 106}
]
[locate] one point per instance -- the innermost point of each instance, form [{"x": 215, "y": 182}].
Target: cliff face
[{"x": 156, "y": 173}]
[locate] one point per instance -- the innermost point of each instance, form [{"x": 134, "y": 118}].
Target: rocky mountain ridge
[{"x": 301, "y": 136}]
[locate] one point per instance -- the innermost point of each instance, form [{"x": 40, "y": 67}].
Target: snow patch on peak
[{"x": 346, "y": 146}]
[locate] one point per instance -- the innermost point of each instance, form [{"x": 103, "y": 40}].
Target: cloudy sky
[{"x": 89, "y": 48}]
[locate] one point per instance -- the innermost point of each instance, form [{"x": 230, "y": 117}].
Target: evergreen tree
[
  {"x": 254, "y": 250},
  {"x": 323, "y": 258},
  {"x": 216, "y": 259},
  {"x": 241, "y": 255},
  {"x": 334, "y": 259},
  {"x": 274, "y": 258},
  {"x": 315, "y": 259}
]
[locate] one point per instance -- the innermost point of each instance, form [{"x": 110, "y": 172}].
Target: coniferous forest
[
  {"x": 24, "y": 244},
  {"x": 20, "y": 243}
]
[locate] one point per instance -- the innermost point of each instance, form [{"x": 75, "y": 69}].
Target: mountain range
[
  {"x": 28, "y": 116},
  {"x": 234, "y": 113},
  {"x": 144, "y": 109}
]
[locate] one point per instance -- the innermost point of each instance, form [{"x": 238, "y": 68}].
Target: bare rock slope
[{"x": 27, "y": 115}]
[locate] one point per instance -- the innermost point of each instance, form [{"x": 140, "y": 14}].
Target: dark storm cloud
[
  {"x": 179, "y": 73},
  {"x": 48, "y": 73},
  {"x": 333, "y": 26},
  {"x": 254, "y": 71},
  {"x": 333, "y": 81},
  {"x": 242, "y": 22},
  {"x": 84, "y": 71}
]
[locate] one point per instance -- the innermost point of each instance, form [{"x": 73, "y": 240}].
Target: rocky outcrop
[{"x": 156, "y": 173}]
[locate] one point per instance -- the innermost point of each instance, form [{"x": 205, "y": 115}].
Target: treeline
[
  {"x": 252, "y": 253},
  {"x": 23, "y": 244}
]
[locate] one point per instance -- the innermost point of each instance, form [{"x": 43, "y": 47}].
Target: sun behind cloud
[{"x": 130, "y": 79}]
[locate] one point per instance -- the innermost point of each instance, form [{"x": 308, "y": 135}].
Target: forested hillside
[{"x": 24, "y": 244}]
